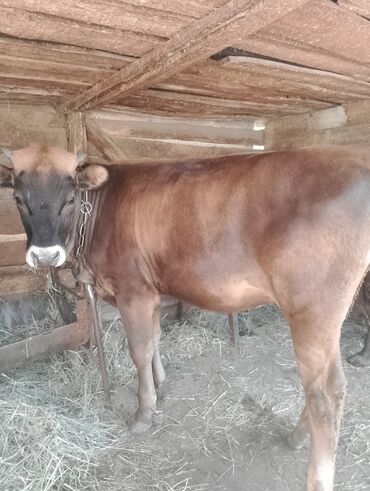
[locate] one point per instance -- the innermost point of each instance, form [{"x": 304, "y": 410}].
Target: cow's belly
[{"x": 231, "y": 295}]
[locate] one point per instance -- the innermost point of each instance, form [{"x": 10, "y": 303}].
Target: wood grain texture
[
  {"x": 359, "y": 7},
  {"x": 16, "y": 22},
  {"x": 319, "y": 34},
  {"x": 19, "y": 280},
  {"x": 195, "y": 42},
  {"x": 139, "y": 148},
  {"x": 41, "y": 346},
  {"x": 76, "y": 132},
  {"x": 102, "y": 141},
  {"x": 347, "y": 125},
  {"x": 169, "y": 102},
  {"x": 129, "y": 124},
  {"x": 136, "y": 18},
  {"x": 295, "y": 80}
]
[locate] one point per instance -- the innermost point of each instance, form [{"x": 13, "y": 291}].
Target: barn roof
[{"x": 198, "y": 58}]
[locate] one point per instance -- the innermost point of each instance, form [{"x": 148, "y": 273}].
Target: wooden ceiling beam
[{"x": 193, "y": 43}]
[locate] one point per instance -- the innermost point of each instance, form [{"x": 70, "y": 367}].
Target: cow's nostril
[
  {"x": 55, "y": 258},
  {"x": 34, "y": 258}
]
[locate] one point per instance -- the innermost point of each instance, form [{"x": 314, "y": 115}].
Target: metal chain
[{"x": 86, "y": 210}]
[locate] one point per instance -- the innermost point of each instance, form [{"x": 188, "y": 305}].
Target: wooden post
[{"x": 76, "y": 132}]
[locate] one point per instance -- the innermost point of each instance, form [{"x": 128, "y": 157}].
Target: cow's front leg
[{"x": 137, "y": 315}]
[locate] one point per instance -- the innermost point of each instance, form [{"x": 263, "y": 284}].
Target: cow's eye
[
  {"x": 22, "y": 204},
  {"x": 71, "y": 200}
]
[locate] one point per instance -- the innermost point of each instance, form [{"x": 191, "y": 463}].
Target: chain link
[{"x": 86, "y": 210}]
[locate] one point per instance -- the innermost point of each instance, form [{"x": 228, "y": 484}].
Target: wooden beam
[
  {"x": 42, "y": 345},
  {"x": 359, "y": 7},
  {"x": 129, "y": 124},
  {"x": 342, "y": 125},
  {"x": 26, "y": 23},
  {"x": 121, "y": 15},
  {"x": 309, "y": 36},
  {"x": 20, "y": 280},
  {"x": 195, "y": 42},
  {"x": 76, "y": 132},
  {"x": 102, "y": 141},
  {"x": 179, "y": 103}
]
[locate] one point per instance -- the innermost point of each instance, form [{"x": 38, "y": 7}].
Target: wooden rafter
[{"x": 195, "y": 42}]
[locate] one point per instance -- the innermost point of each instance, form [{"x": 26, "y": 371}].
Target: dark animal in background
[{"x": 290, "y": 228}]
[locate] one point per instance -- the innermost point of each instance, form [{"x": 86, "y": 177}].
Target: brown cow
[{"x": 226, "y": 234}]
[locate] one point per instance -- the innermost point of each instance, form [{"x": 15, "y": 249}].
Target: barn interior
[
  {"x": 177, "y": 79},
  {"x": 132, "y": 79}
]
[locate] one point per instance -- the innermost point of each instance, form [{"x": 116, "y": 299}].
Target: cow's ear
[
  {"x": 92, "y": 177},
  {"x": 6, "y": 169},
  {"x": 6, "y": 176}
]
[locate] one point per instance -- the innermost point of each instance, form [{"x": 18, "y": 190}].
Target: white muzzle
[{"x": 45, "y": 256}]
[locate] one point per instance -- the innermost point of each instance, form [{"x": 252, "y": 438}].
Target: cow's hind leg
[
  {"x": 137, "y": 314},
  {"x": 316, "y": 345},
  {"x": 159, "y": 373}
]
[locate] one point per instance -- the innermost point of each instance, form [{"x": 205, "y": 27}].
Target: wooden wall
[{"x": 348, "y": 124}]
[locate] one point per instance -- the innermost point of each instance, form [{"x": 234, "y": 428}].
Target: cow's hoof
[
  {"x": 138, "y": 427},
  {"x": 359, "y": 360},
  {"x": 142, "y": 422}
]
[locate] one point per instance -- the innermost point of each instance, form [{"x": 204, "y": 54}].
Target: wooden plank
[
  {"x": 137, "y": 18},
  {"x": 53, "y": 88},
  {"x": 309, "y": 36},
  {"x": 194, "y": 8},
  {"x": 16, "y": 22},
  {"x": 357, "y": 112},
  {"x": 41, "y": 116},
  {"x": 38, "y": 347},
  {"x": 102, "y": 141},
  {"x": 19, "y": 280},
  {"x": 359, "y": 7},
  {"x": 119, "y": 124},
  {"x": 342, "y": 135},
  {"x": 48, "y": 71},
  {"x": 286, "y": 50},
  {"x": 10, "y": 222},
  {"x": 18, "y": 135},
  {"x": 347, "y": 125},
  {"x": 12, "y": 237},
  {"x": 167, "y": 102},
  {"x": 64, "y": 55},
  {"x": 76, "y": 132},
  {"x": 311, "y": 121},
  {"x": 217, "y": 86},
  {"x": 136, "y": 148},
  {"x": 295, "y": 80},
  {"x": 28, "y": 98},
  {"x": 12, "y": 253},
  {"x": 198, "y": 41}
]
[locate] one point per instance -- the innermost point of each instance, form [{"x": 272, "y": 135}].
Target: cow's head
[{"x": 47, "y": 182}]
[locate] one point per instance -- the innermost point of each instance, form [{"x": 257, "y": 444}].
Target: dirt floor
[{"x": 221, "y": 424}]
